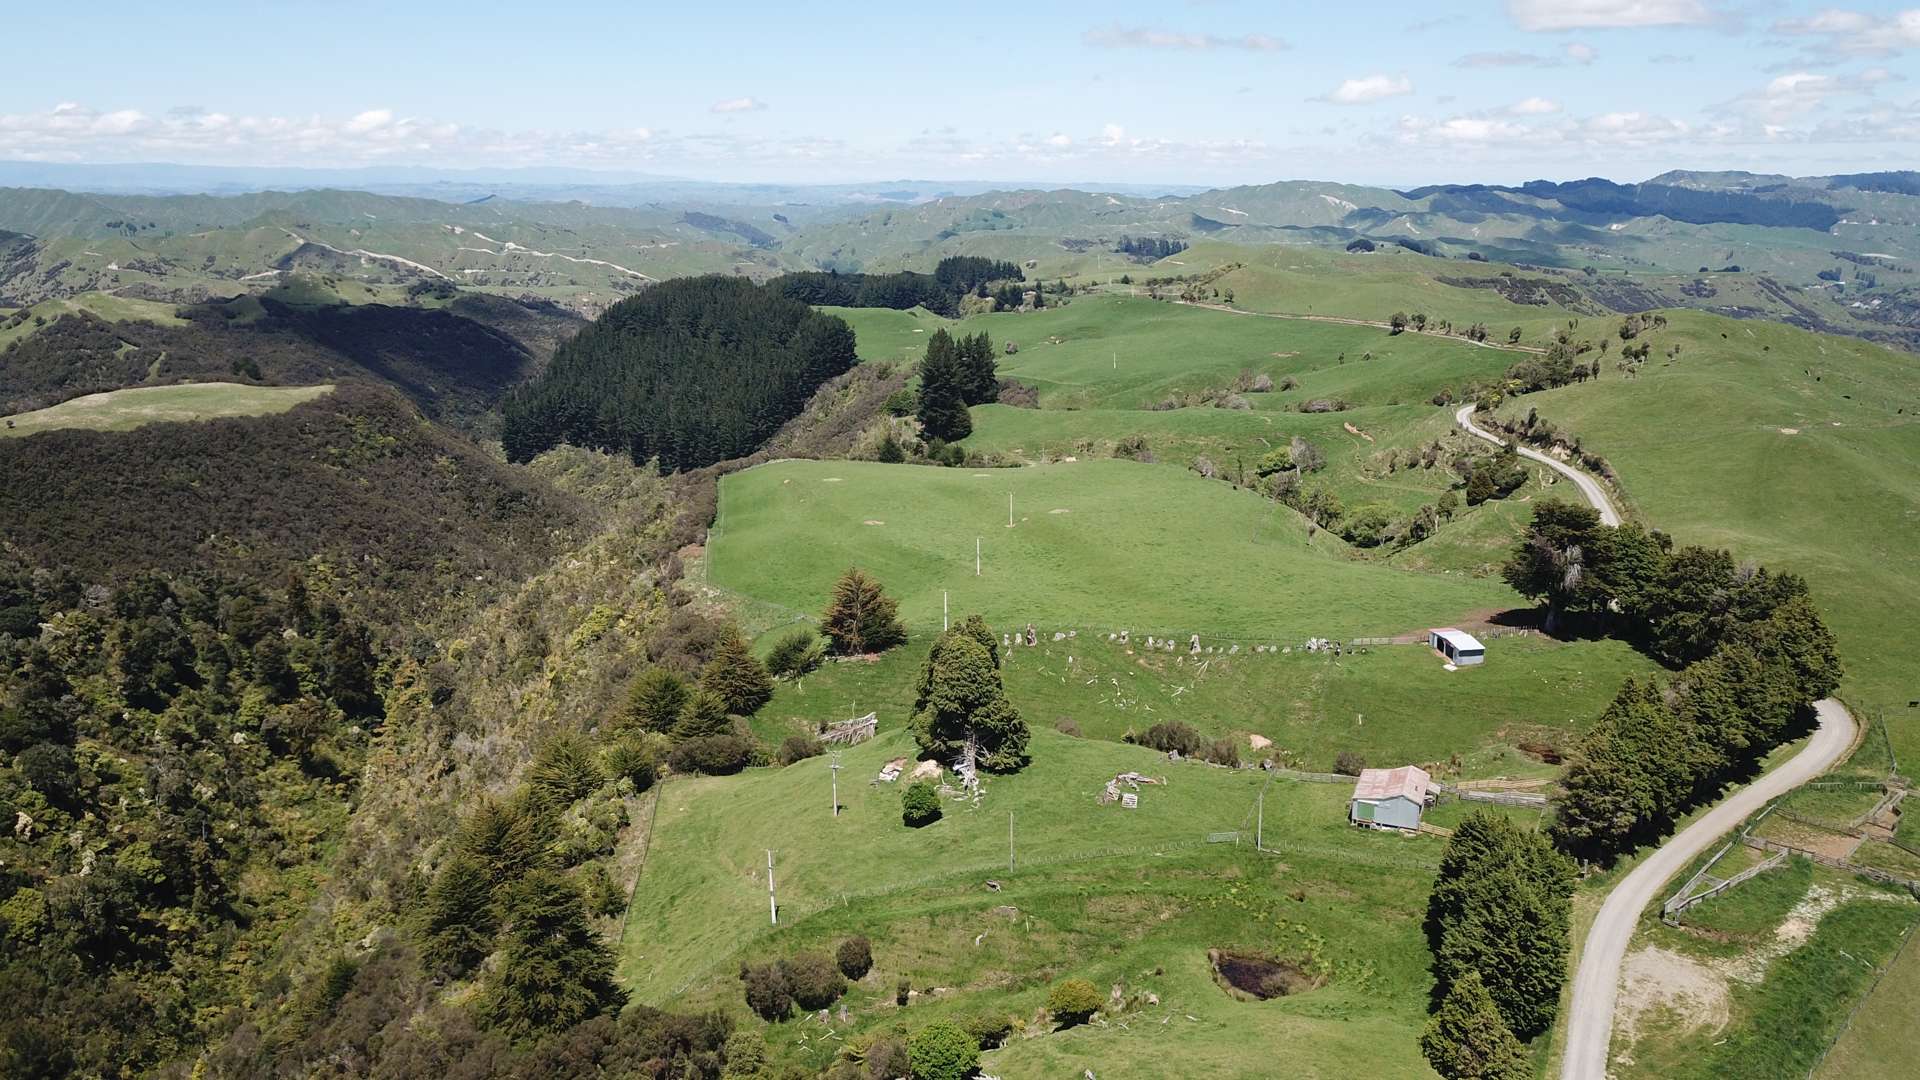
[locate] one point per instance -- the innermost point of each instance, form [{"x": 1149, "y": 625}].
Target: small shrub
[
  {"x": 855, "y": 957},
  {"x": 942, "y": 1051},
  {"x": 767, "y": 992},
  {"x": 632, "y": 760},
  {"x": 902, "y": 402},
  {"x": 920, "y": 804},
  {"x": 1223, "y": 752},
  {"x": 813, "y": 980},
  {"x": 797, "y": 748},
  {"x": 990, "y": 1030},
  {"x": 887, "y": 1058},
  {"x": 1073, "y": 1001},
  {"x": 796, "y": 654},
  {"x": 1169, "y": 736},
  {"x": 715, "y": 755},
  {"x": 745, "y": 1053},
  {"x": 1349, "y": 763},
  {"x": 902, "y": 992}
]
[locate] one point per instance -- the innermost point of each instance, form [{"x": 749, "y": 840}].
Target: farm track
[
  {"x": 1591, "y": 488},
  {"x": 1343, "y": 321},
  {"x": 1596, "y": 983}
]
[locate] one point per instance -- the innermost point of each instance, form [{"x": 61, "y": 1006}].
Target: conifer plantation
[{"x": 690, "y": 371}]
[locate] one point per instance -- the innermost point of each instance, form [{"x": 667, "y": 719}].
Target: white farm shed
[
  {"x": 1459, "y": 647},
  {"x": 1389, "y": 798}
]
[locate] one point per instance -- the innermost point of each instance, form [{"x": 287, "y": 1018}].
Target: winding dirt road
[
  {"x": 1596, "y": 984},
  {"x": 1589, "y": 487}
]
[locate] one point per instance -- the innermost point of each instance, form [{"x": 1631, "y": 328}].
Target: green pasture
[
  {"x": 1095, "y": 544},
  {"x": 1117, "y": 896},
  {"x": 124, "y": 410}
]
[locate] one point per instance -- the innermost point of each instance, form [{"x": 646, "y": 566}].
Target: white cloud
[
  {"x": 1543, "y": 15},
  {"x": 1534, "y": 106},
  {"x": 739, "y": 104},
  {"x": 1059, "y": 140},
  {"x": 1368, "y": 89},
  {"x": 1573, "y": 52},
  {"x": 1144, "y": 37},
  {"x": 1857, "y": 33}
]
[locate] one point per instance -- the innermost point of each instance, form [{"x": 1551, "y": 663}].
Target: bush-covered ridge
[
  {"x": 692, "y": 371},
  {"x": 354, "y": 482}
]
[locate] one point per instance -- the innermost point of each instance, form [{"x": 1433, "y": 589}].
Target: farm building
[
  {"x": 1458, "y": 646},
  {"x": 1389, "y": 798}
]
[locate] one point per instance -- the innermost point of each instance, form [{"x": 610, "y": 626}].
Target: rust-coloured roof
[{"x": 1408, "y": 781}]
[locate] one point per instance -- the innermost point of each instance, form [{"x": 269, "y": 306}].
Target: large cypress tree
[
  {"x": 736, "y": 676},
  {"x": 943, "y": 380},
  {"x": 860, "y": 617},
  {"x": 1467, "y": 1039},
  {"x": 1500, "y": 907},
  {"x": 981, "y": 385},
  {"x": 961, "y": 696},
  {"x": 554, "y": 972},
  {"x": 1631, "y": 776}
]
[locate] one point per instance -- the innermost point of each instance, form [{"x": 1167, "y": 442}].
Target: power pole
[
  {"x": 976, "y": 556},
  {"x": 943, "y": 606},
  {"x": 1259, "y": 819},
  {"x": 1009, "y": 509},
  {"x": 773, "y": 909},
  {"x": 835, "y": 768}
]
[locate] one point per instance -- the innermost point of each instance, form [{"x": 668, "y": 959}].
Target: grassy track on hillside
[
  {"x": 1096, "y": 544},
  {"x": 1104, "y": 893},
  {"x": 124, "y": 410}
]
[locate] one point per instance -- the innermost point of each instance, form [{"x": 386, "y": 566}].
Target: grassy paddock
[
  {"x": 1113, "y": 895},
  {"x": 124, "y": 410},
  {"x": 1105, "y": 544}
]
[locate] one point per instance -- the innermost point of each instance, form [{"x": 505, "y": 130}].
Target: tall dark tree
[
  {"x": 1630, "y": 777},
  {"x": 943, "y": 384},
  {"x": 961, "y": 699},
  {"x": 737, "y": 676},
  {"x": 655, "y": 702},
  {"x": 554, "y": 972},
  {"x": 459, "y": 916},
  {"x": 703, "y": 716},
  {"x": 860, "y": 617},
  {"x": 1468, "y": 1040},
  {"x": 1501, "y": 907},
  {"x": 980, "y": 383},
  {"x": 1550, "y": 562}
]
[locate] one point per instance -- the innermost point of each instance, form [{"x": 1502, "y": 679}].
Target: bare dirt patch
[
  {"x": 871, "y": 521},
  {"x": 1655, "y": 981}
]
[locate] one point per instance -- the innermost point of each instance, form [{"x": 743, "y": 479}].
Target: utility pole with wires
[
  {"x": 976, "y": 556},
  {"x": 834, "y": 767},
  {"x": 1259, "y": 818},
  {"x": 1009, "y": 509},
  {"x": 943, "y": 609}
]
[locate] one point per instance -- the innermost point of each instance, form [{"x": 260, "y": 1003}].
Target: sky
[{"x": 1169, "y": 92}]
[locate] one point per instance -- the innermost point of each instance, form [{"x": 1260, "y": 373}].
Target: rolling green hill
[
  {"x": 1133, "y": 897},
  {"x": 1098, "y": 545},
  {"x": 1793, "y": 449}
]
